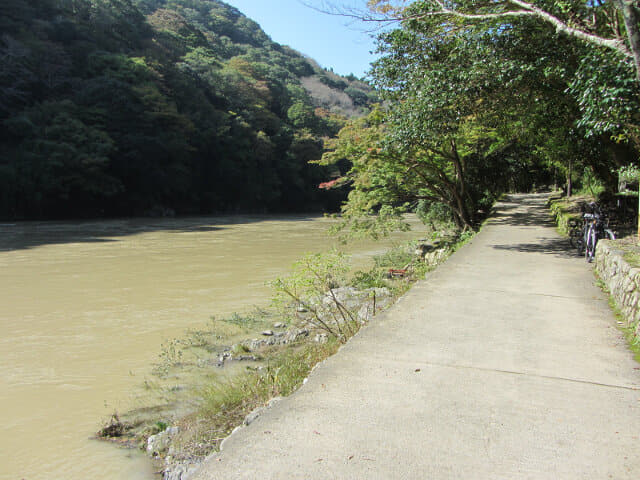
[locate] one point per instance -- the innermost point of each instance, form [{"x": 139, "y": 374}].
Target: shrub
[{"x": 314, "y": 278}]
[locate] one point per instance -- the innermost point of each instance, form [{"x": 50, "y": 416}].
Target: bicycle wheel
[
  {"x": 590, "y": 243},
  {"x": 610, "y": 234},
  {"x": 575, "y": 238},
  {"x": 578, "y": 243}
]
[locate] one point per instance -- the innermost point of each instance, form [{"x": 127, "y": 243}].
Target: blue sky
[{"x": 329, "y": 40}]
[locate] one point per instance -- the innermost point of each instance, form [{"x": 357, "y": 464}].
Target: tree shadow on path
[
  {"x": 529, "y": 218},
  {"x": 531, "y": 211},
  {"x": 559, "y": 247}
]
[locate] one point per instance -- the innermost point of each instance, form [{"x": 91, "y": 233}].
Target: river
[{"x": 84, "y": 307}]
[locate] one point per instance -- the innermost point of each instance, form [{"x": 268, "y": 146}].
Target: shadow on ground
[
  {"x": 535, "y": 215},
  {"x": 522, "y": 219},
  {"x": 551, "y": 246}
]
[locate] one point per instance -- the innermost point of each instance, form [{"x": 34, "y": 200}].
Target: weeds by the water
[
  {"x": 280, "y": 377},
  {"x": 224, "y": 404},
  {"x": 374, "y": 278},
  {"x": 247, "y": 321},
  {"x": 208, "y": 404},
  {"x": 311, "y": 286},
  {"x": 202, "y": 342},
  {"x": 170, "y": 356},
  {"x": 400, "y": 256}
]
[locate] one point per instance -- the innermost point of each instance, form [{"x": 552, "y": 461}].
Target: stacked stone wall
[{"x": 622, "y": 280}]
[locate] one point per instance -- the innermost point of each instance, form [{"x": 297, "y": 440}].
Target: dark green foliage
[
  {"x": 333, "y": 81},
  {"x": 480, "y": 108},
  {"x": 126, "y": 107},
  {"x": 359, "y": 97},
  {"x": 607, "y": 93}
]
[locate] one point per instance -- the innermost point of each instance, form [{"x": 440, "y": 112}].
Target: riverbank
[
  {"x": 504, "y": 363},
  {"x": 217, "y": 378}
]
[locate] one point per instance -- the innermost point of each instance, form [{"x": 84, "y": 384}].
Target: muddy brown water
[{"x": 85, "y": 306}]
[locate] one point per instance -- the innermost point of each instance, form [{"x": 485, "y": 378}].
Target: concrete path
[{"x": 504, "y": 364}]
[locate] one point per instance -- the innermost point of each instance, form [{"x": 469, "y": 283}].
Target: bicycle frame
[{"x": 594, "y": 228}]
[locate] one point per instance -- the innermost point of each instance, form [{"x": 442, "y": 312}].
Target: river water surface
[{"x": 85, "y": 306}]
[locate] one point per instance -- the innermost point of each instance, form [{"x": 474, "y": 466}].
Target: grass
[
  {"x": 629, "y": 331},
  {"x": 630, "y": 250},
  {"x": 399, "y": 256},
  {"x": 632, "y": 258},
  {"x": 622, "y": 323},
  {"x": 374, "y": 278},
  {"x": 224, "y": 404},
  {"x": 568, "y": 212},
  {"x": 282, "y": 375}
]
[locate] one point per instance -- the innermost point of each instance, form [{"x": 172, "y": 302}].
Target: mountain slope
[{"x": 128, "y": 107}]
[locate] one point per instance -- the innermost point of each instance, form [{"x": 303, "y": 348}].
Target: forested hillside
[{"x": 130, "y": 107}]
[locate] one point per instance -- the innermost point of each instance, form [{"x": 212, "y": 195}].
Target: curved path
[{"x": 504, "y": 364}]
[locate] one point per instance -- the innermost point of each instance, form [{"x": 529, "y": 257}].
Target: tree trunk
[
  {"x": 639, "y": 215},
  {"x": 569, "y": 183},
  {"x": 462, "y": 211},
  {"x": 460, "y": 191},
  {"x": 631, "y": 18}
]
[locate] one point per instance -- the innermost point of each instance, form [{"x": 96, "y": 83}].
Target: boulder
[
  {"x": 321, "y": 338},
  {"x": 424, "y": 248},
  {"x": 179, "y": 471},
  {"x": 437, "y": 256},
  {"x": 158, "y": 444}
]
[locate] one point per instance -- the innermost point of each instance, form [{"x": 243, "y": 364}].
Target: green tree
[
  {"x": 302, "y": 115},
  {"x": 611, "y": 25},
  {"x": 58, "y": 157}
]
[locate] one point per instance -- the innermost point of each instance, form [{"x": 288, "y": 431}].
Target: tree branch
[
  {"x": 612, "y": 43},
  {"x": 439, "y": 8}
]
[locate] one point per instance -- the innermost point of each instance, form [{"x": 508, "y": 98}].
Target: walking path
[{"x": 504, "y": 364}]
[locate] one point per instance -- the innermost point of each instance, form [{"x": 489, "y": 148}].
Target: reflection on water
[{"x": 84, "y": 307}]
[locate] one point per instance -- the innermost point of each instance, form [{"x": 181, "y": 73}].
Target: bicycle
[{"x": 594, "y": 227}]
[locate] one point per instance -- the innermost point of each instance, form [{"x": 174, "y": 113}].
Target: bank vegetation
[{"x": 219, "y": 377}]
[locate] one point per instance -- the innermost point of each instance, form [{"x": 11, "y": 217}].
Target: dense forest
[{"x": 155, "y": 107}]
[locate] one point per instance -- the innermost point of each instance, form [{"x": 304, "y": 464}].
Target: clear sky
[{"x": 328, "y": 39}]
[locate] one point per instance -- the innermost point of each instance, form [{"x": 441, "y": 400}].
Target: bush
[
  {"x": 374, "y": 278},
  {"x": 435, "y": 214},
  {"x": 397, "y": 257},
  {"x": 314, "y": 277}
]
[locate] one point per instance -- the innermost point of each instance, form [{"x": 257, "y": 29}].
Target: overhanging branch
[{"x": 525, "y": 9}]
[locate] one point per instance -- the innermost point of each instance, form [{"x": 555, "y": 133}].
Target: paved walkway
[{"x": 504, "y": 364}]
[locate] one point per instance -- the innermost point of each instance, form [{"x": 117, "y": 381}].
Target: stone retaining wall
[
  {"x": 567, "y": 213},
  {"x": 623, "y": 282}
]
